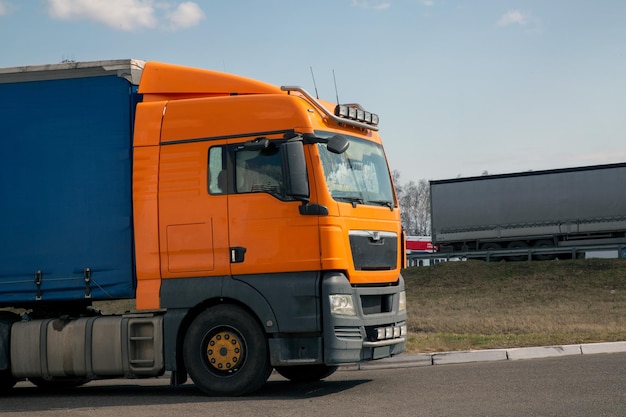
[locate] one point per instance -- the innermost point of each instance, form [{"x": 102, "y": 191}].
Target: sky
[{"x": 462, "y": 87}]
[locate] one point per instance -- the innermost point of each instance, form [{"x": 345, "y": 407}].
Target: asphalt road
[{"x": 583, "y": 385}]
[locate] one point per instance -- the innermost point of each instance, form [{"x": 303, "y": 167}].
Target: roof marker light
[{"x": 355, "y": 112}]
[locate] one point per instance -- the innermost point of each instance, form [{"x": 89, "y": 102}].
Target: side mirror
[
  {"x": 294, "y": 170},
  {"x": 338, "y": 144}
]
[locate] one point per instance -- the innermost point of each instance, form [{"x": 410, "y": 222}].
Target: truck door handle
[{"x": 237, "y": 254}]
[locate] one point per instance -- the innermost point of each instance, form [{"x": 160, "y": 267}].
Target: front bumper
[{"x": 378, "y": 330}]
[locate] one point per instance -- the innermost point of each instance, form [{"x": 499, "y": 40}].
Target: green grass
[{"x": 479, "y": 305}]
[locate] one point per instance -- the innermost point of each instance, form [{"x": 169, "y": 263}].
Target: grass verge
[{"x": 479, "y": 305}]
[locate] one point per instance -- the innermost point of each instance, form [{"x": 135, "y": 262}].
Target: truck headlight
[
  {"x": 402, "y": 301},
  {"x": 342, "y": 305}
]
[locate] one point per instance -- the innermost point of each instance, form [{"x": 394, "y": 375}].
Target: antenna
[
  {"x": 314, "y": 85},
  {"x": 335, "y": 81}
]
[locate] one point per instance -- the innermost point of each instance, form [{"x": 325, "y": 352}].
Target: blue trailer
[{"x": 57, "y": 174}]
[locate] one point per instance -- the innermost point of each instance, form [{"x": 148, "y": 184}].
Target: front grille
[
  {"x": 345, "y": 332},
  {"x": 376, "y": 304},
  {"x": 374, "y": 250}
]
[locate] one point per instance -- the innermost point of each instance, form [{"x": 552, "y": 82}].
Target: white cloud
[
  {"x": 372, "y": 4},
  {"x": 186, "y": 15},
  {"x": 427, "y": 3},
  {"x": 119, "y": 14},
  {"x": 128, "y": 15},
  {"x": 514, "y": 17}
]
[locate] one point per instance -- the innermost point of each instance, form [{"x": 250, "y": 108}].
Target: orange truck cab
[{"x": 265, "y": 235}]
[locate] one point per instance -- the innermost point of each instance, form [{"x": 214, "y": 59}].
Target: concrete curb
[{"x": 444, "y": 358}]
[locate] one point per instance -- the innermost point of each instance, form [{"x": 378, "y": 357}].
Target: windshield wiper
[
  {"x": 353, "y": 200},
  {"x": 385, "y": 203}
]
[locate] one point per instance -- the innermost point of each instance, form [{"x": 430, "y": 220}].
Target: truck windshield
[{"x": 359, "y": 175}]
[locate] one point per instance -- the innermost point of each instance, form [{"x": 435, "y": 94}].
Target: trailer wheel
[
  {"x": 306, "y": 373},
  {"x": 518, "y": 245},
  {"x": 225, "y": 352},
  {"x": 491, "y": 246},
  {"x": 7, "y": 381},
  {"x": 544, "y": 243}
]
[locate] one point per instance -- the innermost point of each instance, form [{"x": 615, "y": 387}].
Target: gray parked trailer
[{"x": 552, "y": 208}]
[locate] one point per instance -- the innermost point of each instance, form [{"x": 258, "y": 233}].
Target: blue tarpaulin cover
[{"x": 65, "y": 189}]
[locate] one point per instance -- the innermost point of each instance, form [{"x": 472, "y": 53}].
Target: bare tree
[
  {"x": 395, "y": 176},
  {"x": 422, "y": 216},
  {"x": 414, "y": 201}
]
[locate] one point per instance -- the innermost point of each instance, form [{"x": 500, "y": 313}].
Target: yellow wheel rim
[{"x": 224, "y": 351}]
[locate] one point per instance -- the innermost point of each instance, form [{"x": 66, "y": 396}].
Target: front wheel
[
  {"x": 306, "y": 373},
  {"x": 225, "y": 352}
]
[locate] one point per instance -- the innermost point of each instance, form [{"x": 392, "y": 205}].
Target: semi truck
[
  {"x": 251, "y": 227},
  {"x": 558, "y": 208}
]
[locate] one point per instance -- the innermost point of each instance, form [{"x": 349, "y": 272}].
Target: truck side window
[
  {"x": 217, "y": 179},
  {"x": 260, "y": 171}
]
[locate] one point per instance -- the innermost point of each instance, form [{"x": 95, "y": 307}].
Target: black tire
[
  {"x": 7, "y": 381},
  {"x": 306, "y": 373},
  {"x": 545, "y": 243},
  {"x": 225, "y": 352},
  {"x": 518, "y": 245},
  {"x": 492, "y": 247},
  {"x": 58, "y": 383}
]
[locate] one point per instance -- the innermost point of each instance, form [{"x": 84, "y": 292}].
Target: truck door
[
  {"x": 193, "y": 210},
  {"x": 223, "y": 211},
  {"x": 267, "y": 234}
]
